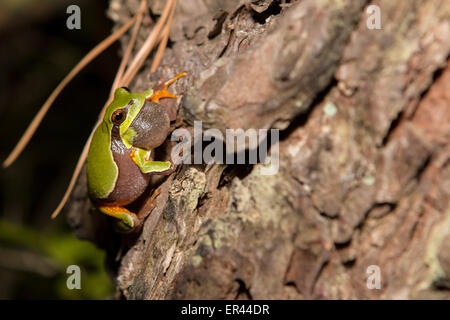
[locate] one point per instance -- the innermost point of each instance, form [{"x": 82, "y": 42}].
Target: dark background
[{"x": 37, "y": 51}]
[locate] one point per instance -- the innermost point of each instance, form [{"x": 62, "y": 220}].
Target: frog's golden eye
[{"x": 119, "y": 116}]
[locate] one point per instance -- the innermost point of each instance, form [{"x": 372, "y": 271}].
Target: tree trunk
[{"x": 364, "y": 155}]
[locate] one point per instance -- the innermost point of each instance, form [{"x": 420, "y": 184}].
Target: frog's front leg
[
  {"x": 127, "y": 220},
  {"x": 163, "y": 93},
  {"x": 142, "y": 158}
]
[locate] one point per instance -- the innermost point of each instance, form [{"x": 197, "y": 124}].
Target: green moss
[{"x": 63, "y": 249}]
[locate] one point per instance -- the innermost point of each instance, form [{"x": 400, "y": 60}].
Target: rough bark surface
[{"x": 364, "y": 153}]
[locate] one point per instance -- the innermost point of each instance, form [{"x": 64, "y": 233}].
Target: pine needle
[
  {"x": 126, "y": 56},
  {"x": 162, "y": 45},
  {"x": 40, "y": 115},
  {"x": 148, "y": 44}
]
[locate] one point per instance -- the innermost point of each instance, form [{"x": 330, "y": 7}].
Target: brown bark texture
[{"x": 364, "y": 155}]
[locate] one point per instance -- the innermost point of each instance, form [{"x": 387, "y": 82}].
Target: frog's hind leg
[
  {"x": 127, "y": 220},
  {"x": 163, "y": 93}
]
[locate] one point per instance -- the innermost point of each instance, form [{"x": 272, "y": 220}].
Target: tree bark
[{"x": 364, "y": 155}]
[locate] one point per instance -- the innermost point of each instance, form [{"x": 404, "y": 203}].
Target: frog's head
[{"x": 124, "y": 108}]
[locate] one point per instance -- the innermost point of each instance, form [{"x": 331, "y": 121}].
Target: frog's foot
[
  {"x": 163, "y": 93},
  {"x": 142, "y": 159},
  {"x": 127, "y": 220}
]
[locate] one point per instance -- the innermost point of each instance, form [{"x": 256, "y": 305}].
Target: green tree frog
[{"x": 118, "y": 164}]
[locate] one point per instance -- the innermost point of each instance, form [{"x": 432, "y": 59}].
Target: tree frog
[{"x": 118, "y": 164}]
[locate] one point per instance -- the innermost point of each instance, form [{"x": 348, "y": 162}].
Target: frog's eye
[
  {"x": 119, "y": 116},
  {"x": 126, "y": 89}
]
